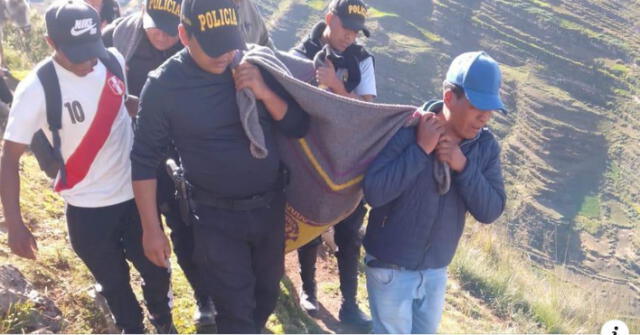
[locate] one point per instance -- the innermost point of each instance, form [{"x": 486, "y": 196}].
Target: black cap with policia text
[
  {"x": 214, "y": 23},
  {"x": 74, "y": 27},
  {"x": 162, "y": 14},
  {"x": 352, "y": 14}
]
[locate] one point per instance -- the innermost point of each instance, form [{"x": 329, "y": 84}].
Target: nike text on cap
[
  {"x": 214, "y": 23},
  {"x": 162, "y": 14},
  {"x": 352, "y": 14},
  {"x": 480, "y": 77},
  {"x": 74, "y": 27}
]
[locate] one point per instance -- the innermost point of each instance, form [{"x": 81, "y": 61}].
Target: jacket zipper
[{"x": 440, "y": 208}]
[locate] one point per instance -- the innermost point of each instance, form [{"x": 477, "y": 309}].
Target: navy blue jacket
[{"x": 411, "y": 225}]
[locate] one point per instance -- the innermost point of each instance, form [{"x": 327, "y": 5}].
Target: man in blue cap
[{"x": 419, "y": 212}]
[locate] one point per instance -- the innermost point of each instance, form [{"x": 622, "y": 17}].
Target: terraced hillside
[
  {"x": 565, "y": 256},
  {"x": 571, "y": 140}
]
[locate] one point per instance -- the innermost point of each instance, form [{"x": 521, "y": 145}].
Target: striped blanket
[{"x": 328, "y": 164}]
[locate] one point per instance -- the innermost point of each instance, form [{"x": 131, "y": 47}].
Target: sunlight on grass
[
  {"x": 318, "y": 5},
  {"x": 375, "y": 13},
  {"x": 505, "y": 279}
]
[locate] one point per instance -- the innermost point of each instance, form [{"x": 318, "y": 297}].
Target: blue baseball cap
[{"x": 479, "y": 75}]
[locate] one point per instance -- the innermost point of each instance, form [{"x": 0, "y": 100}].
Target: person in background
[{"x": 349, "y": 72}]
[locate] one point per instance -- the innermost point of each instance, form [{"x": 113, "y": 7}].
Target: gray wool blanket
[{"x": 327, "y": 165}]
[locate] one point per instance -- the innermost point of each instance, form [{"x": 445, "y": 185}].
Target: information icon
[{"x": 614, "y": 327}]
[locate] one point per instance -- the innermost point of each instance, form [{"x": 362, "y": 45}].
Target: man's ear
[
  {"x": 448, "y": 97},
  {"x": 50, "y": 42},
  {"x": 183, "y": 35},
  {"x": 328, "y": 18}
]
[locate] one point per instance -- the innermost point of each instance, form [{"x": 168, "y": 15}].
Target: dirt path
[{"x": 328, "y": 290}]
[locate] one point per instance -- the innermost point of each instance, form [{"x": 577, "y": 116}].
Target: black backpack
[{"x": 49, "y": 156}]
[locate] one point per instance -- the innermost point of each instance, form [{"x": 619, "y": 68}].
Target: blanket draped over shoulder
[{"x": 327, "y": 166}]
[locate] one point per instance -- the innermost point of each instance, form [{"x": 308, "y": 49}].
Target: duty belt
[
  {"x": 246, "y": 204},
  {"x": 261, "y": 200}
]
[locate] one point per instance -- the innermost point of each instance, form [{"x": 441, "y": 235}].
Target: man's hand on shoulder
[
  {"x": 247, "y": 75},
  {"x": 430, "y": 128}
]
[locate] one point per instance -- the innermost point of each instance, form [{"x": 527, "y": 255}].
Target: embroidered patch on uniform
[{"x": 116, "y": 85}]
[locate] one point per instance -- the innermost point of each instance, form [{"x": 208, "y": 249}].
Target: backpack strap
[
  {"x": 113, "y": 65},
  {"x": 53, "y": 99}
]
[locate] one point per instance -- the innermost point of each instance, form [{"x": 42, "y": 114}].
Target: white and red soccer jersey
[{"x": 96, "y": 135}]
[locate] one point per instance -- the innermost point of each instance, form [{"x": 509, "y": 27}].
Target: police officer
[
  {"x": 191, "y": 100},
  {"x": 109, "y": 10},
  {"x": 147, "y": 39},
  {"x": 348, "y": 71}
]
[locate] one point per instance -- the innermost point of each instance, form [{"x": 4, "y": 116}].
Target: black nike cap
[{"x": 74, "y": 27}]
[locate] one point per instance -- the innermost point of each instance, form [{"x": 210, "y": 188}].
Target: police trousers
[{"x": 241, "y": 255}]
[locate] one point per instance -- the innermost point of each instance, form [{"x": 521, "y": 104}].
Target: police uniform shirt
[{"x": 198, "y": 111}]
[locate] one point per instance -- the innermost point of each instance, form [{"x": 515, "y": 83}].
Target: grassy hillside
[
  {"x": 570, "y": 142},
  {"x": 563, "y": 258}
]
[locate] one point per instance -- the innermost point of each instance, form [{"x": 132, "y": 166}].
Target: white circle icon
[{"x": 614, "y": 327}]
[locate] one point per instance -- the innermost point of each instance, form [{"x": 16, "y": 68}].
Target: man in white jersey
[{"x": 95, "y": 180}]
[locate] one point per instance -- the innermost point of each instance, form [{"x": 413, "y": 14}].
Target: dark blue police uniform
[{"x": 239, "y": 242}]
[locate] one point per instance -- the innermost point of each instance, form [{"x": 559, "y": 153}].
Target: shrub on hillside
[{"x": 23, "y": 51}]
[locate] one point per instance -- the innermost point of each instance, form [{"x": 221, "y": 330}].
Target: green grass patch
[
  {"x": 376, "y": 13},
  {"x": 288, "y": 317},
  {"x": 426, "y": 33},
  {"x": 18, "y": 318},
  {"x": 542, "y": 4},
  {"x": 22, "y": 51},
  {"x": 318, "y": 5},
  {"x": 590, "y": 207},
  {"x": 412, "y": 44},
  {"x": 588, "y": 217},
  {"x": 500, "y": 275}
]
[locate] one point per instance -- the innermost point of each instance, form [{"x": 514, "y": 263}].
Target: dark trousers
[
  {"x": 104, "y": 238},
  {"x": 5, "y": 93},
  {"x": 181, "y": 234},
  {"x": 241, "y": 254},
  {"x": 349, "y": 241}
]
